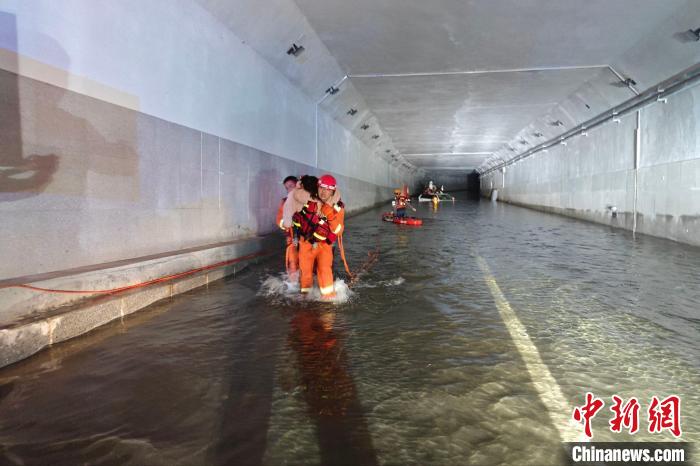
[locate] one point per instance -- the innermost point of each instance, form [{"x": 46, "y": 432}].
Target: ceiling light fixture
[{"x": 295, "y": 50}]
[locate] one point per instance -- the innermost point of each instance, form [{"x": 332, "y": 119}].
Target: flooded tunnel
[{"x": 491, "y": 256}]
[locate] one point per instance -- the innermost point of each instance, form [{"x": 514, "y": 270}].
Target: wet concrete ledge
[
  {"x": 31, "y": 320},
  {"x": 683, "y": 229}
]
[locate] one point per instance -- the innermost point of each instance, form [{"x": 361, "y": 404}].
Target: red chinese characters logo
[
  {"x": 627, "y": 415},
  {"x": 665, "y": 414},
  {"x": 662, "y": 415},
  {"x": 587, "y": 412}
]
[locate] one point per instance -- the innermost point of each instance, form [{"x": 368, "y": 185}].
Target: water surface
[{"x": 416, "y": 368}]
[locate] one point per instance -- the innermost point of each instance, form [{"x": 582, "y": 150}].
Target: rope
[
  {"x": 372, "y": 257},
  {"x": 142, "y": 284},
  {"x": 342, "y": 255},
  {"x": 286, "y": 256}
]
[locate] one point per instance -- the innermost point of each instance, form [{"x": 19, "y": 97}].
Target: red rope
[
  {"x": 142, "y": 284},
  {"x": 372, "y": 257},
  {"x": 342, "y": 256}
]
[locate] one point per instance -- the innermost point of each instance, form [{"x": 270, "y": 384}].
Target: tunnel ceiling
[
  {"x": 463, "y": 118},
  {"x": 446, "y": 83}
]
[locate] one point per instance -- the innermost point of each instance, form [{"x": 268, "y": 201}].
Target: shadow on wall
[
  {"x": 68, "y": 162},
  {"x": 264, "y": 197},
  {"x": 19, "y": 176},
  {"x": 43, "y": 128}
]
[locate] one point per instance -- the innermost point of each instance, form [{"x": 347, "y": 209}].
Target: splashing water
[
  {"x": 278, "y": 286},
  {"x": 281, "y": 288}
]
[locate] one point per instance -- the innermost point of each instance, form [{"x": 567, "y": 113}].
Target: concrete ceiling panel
[
  {"x": 485, "y": 114},
  {"x": 464, "y": 113},
  {"x": 664, "y": 50},
  {"x": 271, "y": 29},
  {"x": 409, "y": 36}
]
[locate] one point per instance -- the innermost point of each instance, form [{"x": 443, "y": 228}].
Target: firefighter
[
  {"x": 318, "y": 225},
  {"x": 292, "y": 249},
  {"x": 402, "y": 200}
]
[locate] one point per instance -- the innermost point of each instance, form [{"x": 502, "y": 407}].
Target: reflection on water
[
  {"x": 329, "y": 390},
  {"x": 416, "y": 368}
]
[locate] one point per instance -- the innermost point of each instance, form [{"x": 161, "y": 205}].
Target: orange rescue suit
[
  {"x": 320, "y": 254},
  {"x": 292, "y": 253}
]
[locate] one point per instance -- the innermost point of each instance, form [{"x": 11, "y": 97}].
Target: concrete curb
[
  {"x": 32, "y": 320},
  {"x": 49, "y": 319}
]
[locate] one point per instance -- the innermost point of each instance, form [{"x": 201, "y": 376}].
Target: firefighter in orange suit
[
  {"x": 292, "y": 250},
  {"x": 402, "y": 199},
  {"x": 318, "y": 225}
]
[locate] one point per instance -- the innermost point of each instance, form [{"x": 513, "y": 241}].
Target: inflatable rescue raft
[
  {"x": 440, "y": 196},
  {"x": 413, "y": 221}
]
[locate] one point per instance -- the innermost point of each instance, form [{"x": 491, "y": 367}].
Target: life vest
[
  {"x": 401, "y": 202},
  {"x": 311, "y": 225}
]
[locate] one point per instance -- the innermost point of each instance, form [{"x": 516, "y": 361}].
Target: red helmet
[{"x": 327, "y": 181}]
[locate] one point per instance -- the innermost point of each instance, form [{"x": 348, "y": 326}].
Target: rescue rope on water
[{"x": 372, "y": 257}]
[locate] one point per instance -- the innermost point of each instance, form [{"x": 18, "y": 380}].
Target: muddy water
[{"x": 417, "y": 366}]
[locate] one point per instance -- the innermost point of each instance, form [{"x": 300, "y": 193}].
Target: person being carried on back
[{"x": 317, "y": 215}]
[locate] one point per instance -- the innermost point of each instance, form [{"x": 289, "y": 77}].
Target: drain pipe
[
  {"x": 637, "y": 156},
  {"x": 659, "y": 93},
  {"x": 637, "y": 148}
]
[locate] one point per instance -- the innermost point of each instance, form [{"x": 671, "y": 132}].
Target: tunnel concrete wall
[
  {"x": 136, "y": 128},
  {"x": 591, "y": 174}
]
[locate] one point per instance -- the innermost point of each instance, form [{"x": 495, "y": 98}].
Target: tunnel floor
[{"x": 430, "y": 361}]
